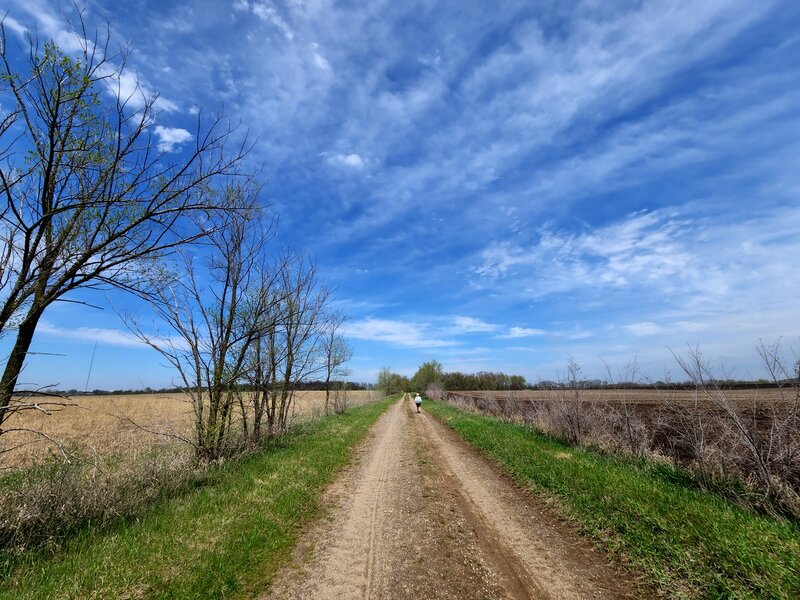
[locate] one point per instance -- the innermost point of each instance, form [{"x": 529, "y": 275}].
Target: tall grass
[
  {"x": 687, "y": 541},
  {"x": 223, "y": 539},
  {"x": 43, "y": 505}
]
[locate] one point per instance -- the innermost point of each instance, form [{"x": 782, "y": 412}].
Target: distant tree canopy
[
  {"x": 315, "y": 385},
  {"x": 429, "y": 373},
  {"x": 392, "y": 383},
  {"x": 483, "y": 380}
]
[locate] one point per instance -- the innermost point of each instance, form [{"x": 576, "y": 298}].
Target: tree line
[
  {"x": 315, "y": 385},
  {"x": 430, "y": 375}
]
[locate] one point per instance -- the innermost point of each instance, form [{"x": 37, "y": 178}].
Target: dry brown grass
[{"x": 107, "y": 425}]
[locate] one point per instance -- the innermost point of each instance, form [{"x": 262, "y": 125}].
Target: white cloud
[
  {"x": 689, "y": 326},
  {"x": 109, "y": 337},
  {"x": 128, "y": 87},
  {"x": 471, "y": 325},
  {"x": 499, "y": 257},
  {"x": 578, "y": 335},
  {"x": 353, "y": 161},
  {"x": 268, "y": 13},
  {"x": 529, "y": 93},
  {"x": 169, "y": 138},
  {"x": 400, "y": 333},
  {"x": 319, "y": 59},
  {"x": 694, "y": 264},
  {"x": 643, "y": 329},
  {"x": 522, "y": 332}
]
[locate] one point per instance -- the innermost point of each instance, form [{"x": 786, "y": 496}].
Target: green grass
[
  {"x": 223, "y": 540},
  {"x": 686, "y": 541}
]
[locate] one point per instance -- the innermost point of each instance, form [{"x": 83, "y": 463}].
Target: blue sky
[{"x": 498, "y": 186}]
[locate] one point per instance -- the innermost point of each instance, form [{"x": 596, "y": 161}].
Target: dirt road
[{"x": 421, "y": 515}]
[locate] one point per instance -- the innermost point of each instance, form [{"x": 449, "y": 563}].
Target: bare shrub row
[{"x": 746, "y": 446}]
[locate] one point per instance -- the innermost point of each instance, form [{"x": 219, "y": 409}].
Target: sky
[{"x": 494, "y": 185}]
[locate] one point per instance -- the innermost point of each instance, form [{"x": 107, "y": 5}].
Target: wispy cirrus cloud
[
  {"x": 267, "y": 12},
  {"x": 11, "y": 24},
  {"x": 644, "y": 247},
  {"x": 465, "y": 325},
  {"x": 64, "y": 27},
  {"x": 109, "y": 337},
  {"x": 400, "y": 333},
  {"x": 668, "y": 252},
  {"x": 644, "y": 328},
  {"x": 522, "y": 332},
  {"x": 503, "y": 119}
]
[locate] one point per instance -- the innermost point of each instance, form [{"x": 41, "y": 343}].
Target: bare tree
[
  {"x": 262, "y": 369},
  {"x": 91, "y": 198},
  {"x": 341, "y": 399},
  {"x": 335, "y": 350},
  {"x": 213, "y": 320},
  {"x": 298, "y": 335},
  {"x": 288, "y": 347},
  {"x": 266, "y": 353}
]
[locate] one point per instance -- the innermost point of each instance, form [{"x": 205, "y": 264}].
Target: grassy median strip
[
  {"x": 688, "y": 542},
  {"x": 224, "y": 540}
]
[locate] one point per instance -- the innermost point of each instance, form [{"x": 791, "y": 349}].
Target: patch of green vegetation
[
  {"x": 223, "y": 540},
  {"x": 688, "y": 542}
]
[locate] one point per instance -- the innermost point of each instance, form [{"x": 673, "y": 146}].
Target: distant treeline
[
  {"x": 454, "y": 381},
  {"x": 599, "y": 384},
  {"x": 302, "y": 386},
  {"x": 431, "y": 375}
]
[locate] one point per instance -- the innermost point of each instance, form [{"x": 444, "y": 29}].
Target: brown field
[
  {"x": 115, "y": 425},
  {"x": 747, "y": 432},
  {"x": 650, "y": 406},
  {"x": 650, "y": 397}
]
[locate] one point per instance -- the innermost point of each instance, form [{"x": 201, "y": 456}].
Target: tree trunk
[
  {"x": 327, "y": 394},
  {"x": 16, "y": 360}
]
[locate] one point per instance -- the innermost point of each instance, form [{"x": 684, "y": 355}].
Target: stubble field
[{"x": 124, "y": 425}]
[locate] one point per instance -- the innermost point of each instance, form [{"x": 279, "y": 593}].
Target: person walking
[{"x": 418, "y": 401}]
